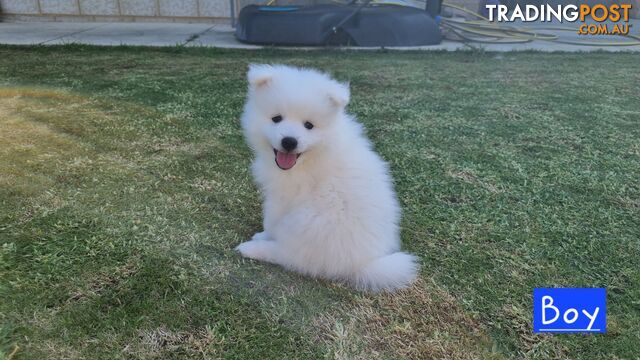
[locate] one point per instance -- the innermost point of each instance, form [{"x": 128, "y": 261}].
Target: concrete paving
[
  {"x": 221, "y": 36},
  {"x": 149, "y": 34},
  {"x": 32, "y": 33},
  {"x": 210, "y": 35}
]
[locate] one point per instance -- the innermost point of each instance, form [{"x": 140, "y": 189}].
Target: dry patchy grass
[{"x": 422, "y": 322}]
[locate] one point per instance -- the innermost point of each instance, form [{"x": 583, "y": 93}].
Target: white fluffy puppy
[{"x": 329, "y": 206}]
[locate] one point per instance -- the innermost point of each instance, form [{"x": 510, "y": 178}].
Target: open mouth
[{"x": 285, "y": 161}]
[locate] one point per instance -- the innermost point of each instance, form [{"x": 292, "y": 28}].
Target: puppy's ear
[
  {"x": 339, "y": 95},
  {"x": 259, "y": 75}
]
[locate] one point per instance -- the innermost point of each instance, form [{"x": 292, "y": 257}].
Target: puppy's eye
[
  {"x": 308, "y": 125},
  {"x": 277, "y": 118}
]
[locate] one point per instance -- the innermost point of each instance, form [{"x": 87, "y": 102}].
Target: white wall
[{"x": 116, "y": 10}]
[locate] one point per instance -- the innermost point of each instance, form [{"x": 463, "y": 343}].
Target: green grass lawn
[{"x": 124, "y": 187}]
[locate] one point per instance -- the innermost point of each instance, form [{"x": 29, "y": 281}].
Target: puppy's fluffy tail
[{"x": 388, "y": 273}]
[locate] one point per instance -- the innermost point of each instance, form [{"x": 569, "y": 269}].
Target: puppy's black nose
[{"x": 289, "y": 143}]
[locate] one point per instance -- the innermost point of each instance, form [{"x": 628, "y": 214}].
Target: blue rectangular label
[{"x": 569, "y": 310}]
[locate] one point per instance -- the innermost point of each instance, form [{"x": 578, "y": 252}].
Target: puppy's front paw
[
  {"x": 260, "y": 236},
  {"x": 255, "y": 249}
]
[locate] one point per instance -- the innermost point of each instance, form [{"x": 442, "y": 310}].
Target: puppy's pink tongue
[{"x": 285, "y": 160}]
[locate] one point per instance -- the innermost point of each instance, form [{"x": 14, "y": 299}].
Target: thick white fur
[{"x": 334, "y": 214}]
